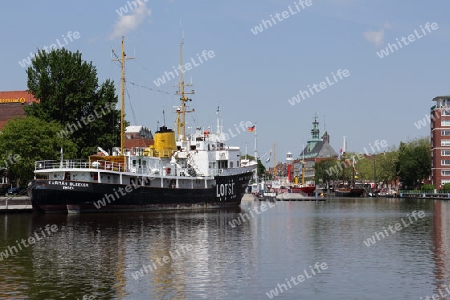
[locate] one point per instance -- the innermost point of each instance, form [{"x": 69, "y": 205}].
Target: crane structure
[{"x": 266, "y": 154}]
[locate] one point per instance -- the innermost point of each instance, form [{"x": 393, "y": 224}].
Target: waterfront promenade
[
  {"x": 13, "y": 204},
  {"x": 425, "y": 195}
]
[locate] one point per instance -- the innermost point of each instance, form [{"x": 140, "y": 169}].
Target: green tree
[
  {"x": 386, "y": 166},
  {"x": 446, "y": 187},
  {"x": 261, "y": 168},
  {"x": 414, "y": 162},
  {"x": 427, "y": 187},
  {"x": 346, "y": 167},
  {"x": 27, "y": 140},
  {"x": 69, "y": 93},
  {"x": 381, "y": 165},
  {"x": 324, "y": 170},
  {"x": 365, "y": 168}
]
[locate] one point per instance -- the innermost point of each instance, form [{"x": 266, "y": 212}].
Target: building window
[
  {"x": 445, "y": 152},
  {"x": 445, "y": 123},
  {"x": 445, "y": 132},
  {"x": 445, "y": 142},
  {"x": 445, "y": 162},
  {"x": 445, "y": 112},
  {"x": 445, "y": 172}
]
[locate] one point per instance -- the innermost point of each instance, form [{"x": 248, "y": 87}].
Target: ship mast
[
  {"x": 256, "y": 159},
  {"x": 274, "y": 161},
  {"x": 181, "y": 124},
  {"x": 122, "y": 96},
  {"x": 303, "y": 166},
  {"x": 122, "y": 101}
]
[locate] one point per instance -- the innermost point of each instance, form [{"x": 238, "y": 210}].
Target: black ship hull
[
  {"x": 355, "y": 192},
  {"x": 65, "y": 196}
]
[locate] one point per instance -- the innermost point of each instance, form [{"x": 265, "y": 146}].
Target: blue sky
[{"x": 252, "y": 77}]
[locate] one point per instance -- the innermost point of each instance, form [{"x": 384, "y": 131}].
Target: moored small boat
[{"x": 349, "y": 192}]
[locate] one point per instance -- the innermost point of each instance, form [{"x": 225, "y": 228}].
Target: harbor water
[{"x": 341, "y": 248}]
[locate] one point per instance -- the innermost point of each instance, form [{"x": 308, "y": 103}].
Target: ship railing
[
  {"x": 107, "y": 165},
  {"x": 57, "y": 164},
  {"x": 80, "y": 164}
]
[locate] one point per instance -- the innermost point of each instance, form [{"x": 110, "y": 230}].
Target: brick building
[
  {"x": 440, "y": 141},
  {"x": 11, "y": 106},
  {"x": 12, "y": 103}
]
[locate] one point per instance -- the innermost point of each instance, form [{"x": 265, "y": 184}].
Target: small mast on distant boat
[{"x": 350, "y": 191}]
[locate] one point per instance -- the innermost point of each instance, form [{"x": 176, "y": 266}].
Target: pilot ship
[{"x": 177, "y": 172}]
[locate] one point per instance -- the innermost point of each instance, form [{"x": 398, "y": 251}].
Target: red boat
[{"x": 308, "y": 189}]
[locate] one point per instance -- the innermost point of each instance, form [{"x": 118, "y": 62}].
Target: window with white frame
[
  {"x": 445, "y": 142},
  {"x": 445, "y": 172},
  {"x": 445, "y": 152},
  {"x": 445, "y": 123},
  {"x": 445, "y": 132},
  {"x": 445, "y": 162}
]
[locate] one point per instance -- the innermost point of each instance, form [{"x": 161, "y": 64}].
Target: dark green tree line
[
  {"x": 414, "y": 162},
  {"x": 27, "y": 140},
  {"x": 410, "y": 163},
  {"x": 70, "y": 94}
]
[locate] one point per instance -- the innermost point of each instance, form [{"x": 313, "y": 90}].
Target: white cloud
[
  {"x": 376, "y": 37},
  {"x": 128, "y": 22}
]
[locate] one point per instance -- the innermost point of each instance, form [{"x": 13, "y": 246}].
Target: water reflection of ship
[
  {"x": 97, "y": 254},
  {"x": 81, "y": 256}
]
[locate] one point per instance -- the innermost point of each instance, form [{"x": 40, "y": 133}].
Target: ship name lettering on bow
[{"x": 226, "y": 190}]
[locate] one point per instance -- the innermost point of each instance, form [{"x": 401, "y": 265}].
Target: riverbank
[
  {"x": 424, "y": 195},
  {"x": 12, "y": 204},
  {"x": 248, "y": 197}
]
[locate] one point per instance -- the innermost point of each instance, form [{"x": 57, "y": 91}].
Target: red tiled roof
[{"x": 133, "y": 143}]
